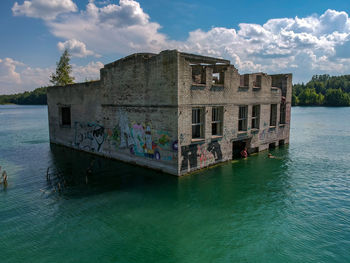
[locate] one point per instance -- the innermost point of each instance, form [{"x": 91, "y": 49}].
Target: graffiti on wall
[
  {"x": 215, "y": 149},
  {"x": 125, "y": 140},
  {"x": 268, "y": 134},
  {"x": 89, "y": 136},
  {"x": 141, "y": 139},
  {"x": 200, "y": 155}
]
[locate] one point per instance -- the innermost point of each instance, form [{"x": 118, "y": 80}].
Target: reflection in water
[
  {"x": 290, "y": 209},
  {"x": 78, "y": 173}
]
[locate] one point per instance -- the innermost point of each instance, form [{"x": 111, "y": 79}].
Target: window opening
[
  {"x": 217, "y": 121},
  {"x": 65, "y": 116},
  {"x": 197, "y": 123},
  {"x": 242, "y": 118},
  {"x": 273, "y": 115},
  {"x": 198, "y": 74},
  {"x": 283, "y": 113},
  {"x": 255, "y": 116}
]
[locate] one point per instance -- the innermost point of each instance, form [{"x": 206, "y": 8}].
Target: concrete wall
[
  {"x": 141, "y": 111},
  {"x": 195, "y": 154},
  {"x": 130, "y": 114}
]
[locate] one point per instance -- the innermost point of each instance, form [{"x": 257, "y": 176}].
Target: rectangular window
[
  {"x": 218, "y": 78},
  {"x": 255, "y": 116},
  {"x": 197, "y": 123},
  {"x": 242, "y": 118},
  {"x": 216, "y": 121},
  {"x": 258, "y": 81},
  {"x": 283, "y": 113},
  {"x": 273, "y": 115},
  {"x": 198, "y": 74},
  {"x": 65, "y": 116},
  {"x": 244, "y": 80}
]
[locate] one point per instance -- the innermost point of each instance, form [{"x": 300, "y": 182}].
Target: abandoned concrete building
[{"x": 172, "y": 111}]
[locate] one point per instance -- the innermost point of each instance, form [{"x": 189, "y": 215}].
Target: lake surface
[{"x": 292, "y": 209}]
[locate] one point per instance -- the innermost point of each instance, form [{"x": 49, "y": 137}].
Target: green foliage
[
  {"x": 336, "y": 97},
  {"x": 35, "y": 97},
  {"x": 63, "y": 70},
  {"x": 323, "y": 90}
]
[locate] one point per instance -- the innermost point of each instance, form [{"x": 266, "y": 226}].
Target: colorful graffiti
[
  {"x": 215, "y": 149},
  {"x": 140, "y": 138},
  {"x": 89, "y": 136},
  {"x": 125, "y": 140},
  {"x": 201, "y": 154}
]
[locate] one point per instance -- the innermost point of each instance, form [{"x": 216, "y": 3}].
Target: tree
[
  {"x": 63, "y": 70},
  {"x": 336, "y": 97}
]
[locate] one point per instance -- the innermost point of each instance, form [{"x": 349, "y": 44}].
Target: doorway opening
[
  {"x": 272, "y": 146},
  {"x": 237, "y": 147}
]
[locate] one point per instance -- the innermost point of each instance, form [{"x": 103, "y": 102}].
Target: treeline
[
  {"x": 35, "y": 97},
  {"x": 323, "y": 90}
]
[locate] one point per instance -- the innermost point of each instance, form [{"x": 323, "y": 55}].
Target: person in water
[
  {"x": 244, "y": 153},
  {"x": 4, "y": 178},
  {"x": 272, "y": 156}
]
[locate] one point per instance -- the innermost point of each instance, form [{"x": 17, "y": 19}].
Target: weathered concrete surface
[{"x": 141, "y": 111}]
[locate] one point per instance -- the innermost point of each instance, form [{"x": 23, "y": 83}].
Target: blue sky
[{"x": 301, "y": 37}]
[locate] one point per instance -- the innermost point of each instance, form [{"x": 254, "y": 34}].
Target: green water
[{"x": 292, "y": 209}]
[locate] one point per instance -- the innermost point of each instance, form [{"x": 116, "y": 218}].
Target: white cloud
[
  {"x": 8, "y": 74},
  {"x": 91, "y": 71},
  {"x": 122, "y": 29},
  {"x": 45, "y": 9},
  {"x": 76, "y": 48},
  {"x": 305, "y": 46},
  {"x": 16, "y": 77}
]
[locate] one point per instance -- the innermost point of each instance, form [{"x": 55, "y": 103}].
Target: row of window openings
[
  {"x": 217, "y": 119},
  {"x": 199, "y": 77}
]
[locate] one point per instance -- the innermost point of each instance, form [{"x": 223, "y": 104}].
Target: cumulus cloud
[
  {"x": 76, "y": 48},
  {"x": 91, "y": 71},
  {"x": 8, "y": 74},
  {"x": 120, "y": 29},
  {"x": 44, "y": 9},
  {"x": 305, "y": 46},
  {"x": 16, "y": 77}
]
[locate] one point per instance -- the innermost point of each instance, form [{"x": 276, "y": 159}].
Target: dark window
[
  {"x": 258, "y": 81},
  {"x": 255, "y": 116},
  {"x": 273, "y": 115},
  {"x": 197, "y": 123},
  {"x": 198, "y": 74},
  {"x": 242, "y": 118},
  {"x": 244, "y": 80},
  {"x": 65, "y": 116},
  {"x": 216, "y": 121},
  {"x": 283, "y": 113}
]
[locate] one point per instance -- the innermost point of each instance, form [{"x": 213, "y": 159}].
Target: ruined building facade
[{"x": 172, "y": 111}]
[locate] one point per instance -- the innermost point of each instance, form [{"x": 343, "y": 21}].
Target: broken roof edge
[
  {"x": 188, "y": 56},
  {"x": 134, "y": 55},
  {"x": 87, "y": 84},
  {"x": 203, "y": 59}
]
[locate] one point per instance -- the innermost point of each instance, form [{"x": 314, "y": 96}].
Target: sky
[{"x": 301, "y": 37}]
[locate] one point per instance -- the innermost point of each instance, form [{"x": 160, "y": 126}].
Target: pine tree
[{"x": 63, "y": 70}]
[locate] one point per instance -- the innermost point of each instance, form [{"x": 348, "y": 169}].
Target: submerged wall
[
  {"x": 141, "y": 111},
  {"x": 200, "y": 153},
  {"x": 130, "y": 114}
]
